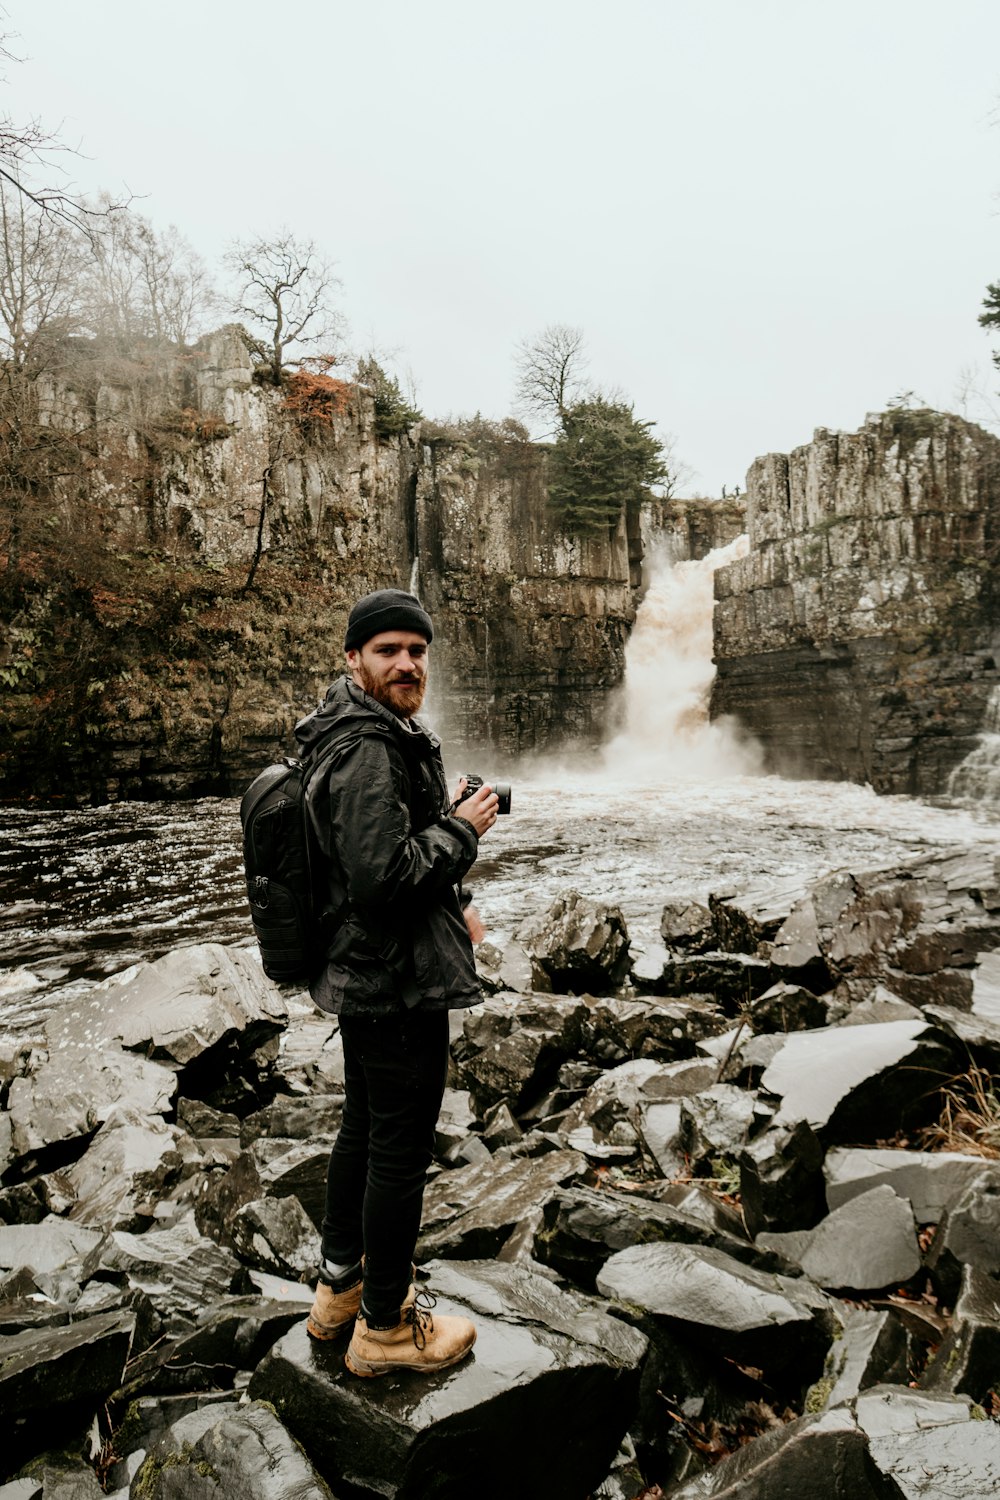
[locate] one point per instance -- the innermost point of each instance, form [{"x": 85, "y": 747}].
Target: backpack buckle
[{"x": 260, "y": 893}]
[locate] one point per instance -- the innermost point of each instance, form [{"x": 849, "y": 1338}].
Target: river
[{"x": 673, "y": 807}]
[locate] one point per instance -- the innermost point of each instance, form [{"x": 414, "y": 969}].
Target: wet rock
[
  {"x": 771, "y": 1322},
  {"x": 687, "y": 925},
  {"x": 276, "y": 1235},
  {"x": 823, "y": 1456},
  {"x": 781, "y": 1180},
  {"x": 511, "y": 1050},
  {"x": 500, "y": 1128},
  {"x": 929, "y": 1180},
  {"x": 930, "y": 1447},
  {"x": 294, "y": 1119},
  {"x": 658, "y": 1028},
  {"x": 58, "y": 1375},
  {"x": 266, "y": 1169},
  {"x": 850, "y": 1083},
  {"x": 615, "y": 1096},
  {"x": 206, "y": 1123},
  {"x": 729, "y": 979},
  {"x": 243, "y": 1451},
  {"x": 126, "y": 1169},
  {"x": 311, "y": 1054},
  {"x": 788, "y": 1007},
  {"x": 549, "y": 1366},
  {"x": 967, "y": 1360},
  {"x": 968, "y": 1235},
  {"x": 582, "y": 1228},
  {"x": 179, "y": 1269},
  {"x": 472, "y": 1211},
  {"x": 231, "y": 1335},
  {"x": 716, "y": 1122},
  {"x": 872, "y": 1348},
  {"x": 52, "y": 1245},
  {"x": 748, "y": 921},
  {"x": 582, "y": 946},
  {"x": 659, "y": 1128},
  {"x": 455, "y": 1122},
  {"x": 69, "y": 1094},
  {"x": 868, "y": 1243}
]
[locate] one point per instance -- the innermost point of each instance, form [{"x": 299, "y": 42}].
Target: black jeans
[{"x": 395, "y": 1069}]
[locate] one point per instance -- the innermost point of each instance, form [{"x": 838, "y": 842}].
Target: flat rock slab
[
  {"x": 930, "y": 1180},
  {"x": 229, "y": 1451},
  {"x": 233, "y": 1334},
  {"x": 754, "y": 1317},
  {"x": 125, "y": 1171},
  {"x": 538, "y": 1408},
  {"x": 868, "y": 1243},
  {"x": 471, "y": 1211},
  {"x": 52, "y": 1245},
  {"x": 856, "y": 1081},
  {"x": 180, "y": 1270},
  {"x": 178, "y": 1007},
  {"x": 930, "y": 1448}
]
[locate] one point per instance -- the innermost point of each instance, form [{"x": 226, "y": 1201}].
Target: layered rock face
[
  {"x": 220, "y": 530},
  {"x": 689, "y": 529},
  {"x": 859, "y": 638}
]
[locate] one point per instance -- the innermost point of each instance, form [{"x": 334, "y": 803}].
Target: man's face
[{"x": 392, "y": 668}]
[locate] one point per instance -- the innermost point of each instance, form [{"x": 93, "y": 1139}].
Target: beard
[{"x": 401, "y": 698}]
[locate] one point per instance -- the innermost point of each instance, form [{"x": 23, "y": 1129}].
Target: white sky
[{"x": 767, "y": 215}]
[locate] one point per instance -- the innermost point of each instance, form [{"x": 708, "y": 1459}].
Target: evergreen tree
[
  {"x": 603, "y": 459},
  {"x": 990, "y": 318}
]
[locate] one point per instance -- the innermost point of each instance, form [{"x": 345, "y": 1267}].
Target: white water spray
[
  {"x": 668, "y": 681},
  {"x": 978, "y": 775}
]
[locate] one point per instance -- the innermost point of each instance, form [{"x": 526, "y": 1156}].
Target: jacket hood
[{"x": 345, "y": 703}]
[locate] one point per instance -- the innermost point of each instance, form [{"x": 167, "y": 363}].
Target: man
[{"x": 396, "y": 847}]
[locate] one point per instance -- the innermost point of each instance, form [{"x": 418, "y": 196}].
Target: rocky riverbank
[{"x": 728, "y": 1225}]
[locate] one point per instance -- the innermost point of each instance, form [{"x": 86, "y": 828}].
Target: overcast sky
[{"x": 766, "y": 215}]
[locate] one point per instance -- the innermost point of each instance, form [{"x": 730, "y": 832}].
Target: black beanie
[{"x": 386, "y": 609}]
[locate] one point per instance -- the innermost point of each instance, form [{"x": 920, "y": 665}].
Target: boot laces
[{"x": 418, "y": 1315}]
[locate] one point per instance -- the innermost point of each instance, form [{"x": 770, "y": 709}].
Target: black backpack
[{"x": 282, "y": 862}]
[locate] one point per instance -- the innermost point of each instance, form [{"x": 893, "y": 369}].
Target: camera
[{"x": 473, "y": 783}]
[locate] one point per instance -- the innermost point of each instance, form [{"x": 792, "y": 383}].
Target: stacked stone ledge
[{"x": 684, "y": 1220}]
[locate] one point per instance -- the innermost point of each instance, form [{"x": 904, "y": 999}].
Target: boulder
[
  {"x": 58, "y": 1375},
  {"x": 225, "y": 1451},
  {"x": 206, "y": 1123},
  {"x": 788, "y": 1007},
  {"x": 581, "y": 945},
  {"x": 873, "y": 1347},
  {"x": 821, "y": 1457},
  {"x": 851, "y": 1083},
  {"x": 266, "y": 1169},
  {"x": 126, "y": 1169},
  {"x": 781, "y": 1180},
  {"x": 968, "y": 1234},
  {"x": 868, "y": 1243},
  {"x": 311, "y": 1054},
  {"x": 179, "y": 1269},
  {"x": 716, "y": 1122},
  {"x": 688, "y": 926},
  {"x": 930, "y": 1447},
  {"x": 929, "y": 1180},
  {"x": 276, "y": 1235},
  {"x": 704, "y": 1296},
  {"x": 582, "y": 1228},
  {"x": 728, "y": 979},
  {"x": 295, "y": 1118},
  {"x": 456, "y": 1121},
  {"x": 538, "y": 1408},
  {"x": 967, "y": 1360},
  {"x": 511, "y": 1050},
  {"x": 231, "y": 1334},
  {"x": 52, "y": 1245},
  {"x": 658, "y": 1028},
  {"x": 472, "y": 1211}
]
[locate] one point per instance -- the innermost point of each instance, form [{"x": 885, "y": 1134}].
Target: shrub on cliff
[
  {"x": 603, "y": 459},
  {"x": 393, "y": 413}
]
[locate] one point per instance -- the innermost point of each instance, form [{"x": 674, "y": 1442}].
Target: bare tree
[
  {"x": 143, "y": 283},
  {"x": 42, "y": 263},
  {"x": 549, "y": 370},
  {"x": 286, "y": 289}
]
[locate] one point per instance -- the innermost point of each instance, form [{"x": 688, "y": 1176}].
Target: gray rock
[
  {"x": 659, "y": 1127},
  {"x": 511, "y": 1050},
  {"x": 716, "y": 1122},
  {"x": 868, "y": 1243},
  {"x": 226, "y": 1451},
  {"x": 872, "y": 1348},
  {"x": 765, "y": 1320},
  {"x": 500, "y": 1128},
  {"x": 581, "y": 945},
  {"x": 788, "y": 1007},
  {"x": 660, "y": 1028},
  {"x": 687, "y": 925},
  {"x": 266, "y": 1169},
  {"x": 179, "y": 1269},
  {"x": 294, "y": 1119},
  {"x": 52, "y": 1245},
  {"x": 967, "y": 1360},
  {"x": 231, "y": 1334},
  {"x": 276, "y": 1235},
  {"x": 21, "y": 1489},
  {"x": 206, "y": 1123},
  {"x": 930, "y": 1447},
  {"x": 781, "y": 1180},
  {"x": 815, "y": 1458},
  {"x": 126, "y": 1169},
  {"x": 456, "y": 1121},
  {"x": 70, "y": 1093},
  {"x": 968, "y": 1235},
  {"x": 615, "y": 1096},
  {"x": 20, "y": 1204},
  {"x": 539, "y": 1408},
  {"x": 930, "y": 1180},
  {"x": 856, "y": 1082},
  {"x": 472, "y": 1211},
  {"x": 582, "y": 1228},
  {"x": 311, "y": 1055},
  {"x": 65, "y": 1478}
]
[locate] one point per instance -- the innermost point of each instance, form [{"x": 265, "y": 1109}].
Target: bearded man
[{"x": 395, "y": 848}]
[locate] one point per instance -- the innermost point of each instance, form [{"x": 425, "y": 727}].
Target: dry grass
[{"x": 970, "y": 1116}]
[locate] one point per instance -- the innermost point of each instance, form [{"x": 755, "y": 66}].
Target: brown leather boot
[
  {"x": 332, "y": 1311},
  {"x": 418, "y": 1341}
]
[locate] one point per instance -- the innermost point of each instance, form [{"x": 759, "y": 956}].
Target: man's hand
[
  {"x": 474, "y": 923},
  {"x": 480, "y": 809}
]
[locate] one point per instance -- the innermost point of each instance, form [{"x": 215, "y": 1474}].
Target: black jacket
[{"x": 394, "y": 861}]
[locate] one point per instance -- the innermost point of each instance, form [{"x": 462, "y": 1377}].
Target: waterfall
[
  {"x": 668, "y": 680},
  {"x": 414, "y": 585},
  {"x": 978, "y": 775}
]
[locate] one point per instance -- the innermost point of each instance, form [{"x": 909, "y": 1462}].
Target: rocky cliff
[
  {"x": 859, "y": 638},
  {"x": 177, "y": 598},
  {"x": 690, "y": 529}
]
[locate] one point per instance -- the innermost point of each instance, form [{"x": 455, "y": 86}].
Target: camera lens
[{"x": 502, "y": 789}]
